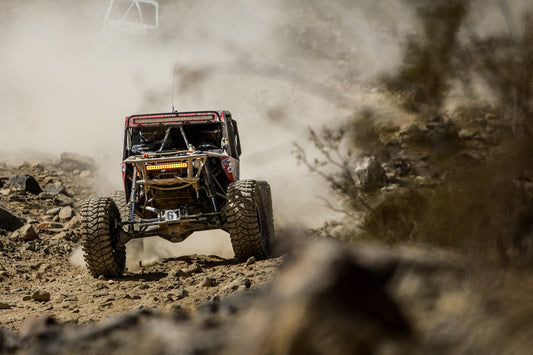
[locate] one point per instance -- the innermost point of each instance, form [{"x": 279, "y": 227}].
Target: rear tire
[
  {"x": 247, "y": 220},
  {"x": 267, "y": 217},
  {"x": 100, "y": 236}
]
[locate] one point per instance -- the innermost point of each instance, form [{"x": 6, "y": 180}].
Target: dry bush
[
  {"x": 423, "y": 79},
  {"x": 481, "y": 206}
]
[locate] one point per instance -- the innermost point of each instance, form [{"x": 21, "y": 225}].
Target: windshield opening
[{"x": 167, "y": 138}]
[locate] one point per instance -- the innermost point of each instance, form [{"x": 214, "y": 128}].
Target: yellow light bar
[{"x": 167, "y": 166}]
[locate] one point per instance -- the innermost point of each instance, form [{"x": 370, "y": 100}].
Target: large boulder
[
  {"x": 26, "y": 233},
  {"x": 368, "y": 173},
  {"x": 23, "y": 182},
  {"x": 9, "y": 221}
]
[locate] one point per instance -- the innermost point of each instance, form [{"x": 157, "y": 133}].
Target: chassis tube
[
  {"x": 132, "y": 194},
  {"x": 210, "y": 188},
  {"x": 184, "y": 136}
]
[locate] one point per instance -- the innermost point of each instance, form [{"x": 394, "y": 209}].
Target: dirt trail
[{"x": 42, "y": 277}]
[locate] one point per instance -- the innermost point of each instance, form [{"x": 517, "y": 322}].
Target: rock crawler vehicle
[{"x": 181, "y": 175}]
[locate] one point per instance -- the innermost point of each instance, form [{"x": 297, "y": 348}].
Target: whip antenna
[
  {"x": 174, "y": 74},
  {"x": 173, "y": 81}
]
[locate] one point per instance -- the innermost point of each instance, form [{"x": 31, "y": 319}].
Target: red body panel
[{"x": 231, "y": 168}]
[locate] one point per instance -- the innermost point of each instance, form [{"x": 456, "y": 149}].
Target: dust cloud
[{"x": 278, "y": 66}]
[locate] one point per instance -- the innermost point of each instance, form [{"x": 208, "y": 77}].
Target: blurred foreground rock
[
  {"x": 329, "y": 299},
  {"x": 325, "y": 302}
]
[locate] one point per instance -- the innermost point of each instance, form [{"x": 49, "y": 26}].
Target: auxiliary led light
[
  {"x": 167, "y": 166},
  {"x": 161, "y": 120}
]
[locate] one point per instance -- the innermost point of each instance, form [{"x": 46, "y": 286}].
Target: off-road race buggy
[{"x": 181, "y": 175}]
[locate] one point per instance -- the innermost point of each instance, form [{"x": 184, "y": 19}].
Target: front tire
[
  {"x": 100, "y": 238},
  {"x": 135, "y": 247},
  {"x": 247, "y": 221}
]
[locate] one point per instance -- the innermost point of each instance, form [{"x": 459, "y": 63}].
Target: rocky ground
[
  {"x": 327, "y": 299},
  {"x": 40, "y": 240}
]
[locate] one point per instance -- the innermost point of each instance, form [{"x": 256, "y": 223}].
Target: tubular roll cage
[
  {"x": 140, "y": 165},
  {"x": 196, "y": 164},
  {"x": 180, "y": 117}
]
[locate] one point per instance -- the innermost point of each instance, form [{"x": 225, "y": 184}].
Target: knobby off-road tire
[
  {"x": 248, "y": 221},
  {"x": 119, "y": 197},
  {"x": 135, "y": 247},
  {"x": 267, "y": 217},
  {"x": 100, "y": 236}
]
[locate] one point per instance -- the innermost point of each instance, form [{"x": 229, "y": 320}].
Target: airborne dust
[
  {"x": 278, "y": 66},
  {"x": 66, "y": 86}
]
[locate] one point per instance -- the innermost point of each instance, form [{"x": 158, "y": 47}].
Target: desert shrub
[{"x": 477, "y": 205}]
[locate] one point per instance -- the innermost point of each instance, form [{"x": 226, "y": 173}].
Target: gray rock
[
  {"x": 65, "y": 213},
  {"x": 207, "y": 282},
  {"x": 46, "y": 196},
  {"x": 25, "y": 233},
  {"x": 30, "y": 247},
  {"x": 24, "y": 182},
  {"x": 240, "y": 283},
  {"x": 63, "y": 200},
  {"x": 9, "y": 221},
  {"x": 53, "y": 211},
  {"x": 194, "y": 269},
  {"x": 182, "y": 293},
  {"x": 368, "y": 173},
  {"x": 132, "y": 296},
  {"x": 179, "y": 273},
  {"x": 244, "y": 281},
  {"x": 54, "y": 189},
  {"x": 41, "y": 296},
  {"x": 250, "y": 261}
]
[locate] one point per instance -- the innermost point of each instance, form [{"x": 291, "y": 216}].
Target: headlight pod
[{"x": 197, "y": 163}]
